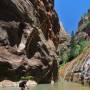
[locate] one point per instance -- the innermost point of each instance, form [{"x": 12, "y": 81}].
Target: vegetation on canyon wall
[
  {"x": 78, "y": 41},
  {"x": 32, "y": 42},
  {"x": 75, "y": 49},
  {"x": 76, "y": 65}
]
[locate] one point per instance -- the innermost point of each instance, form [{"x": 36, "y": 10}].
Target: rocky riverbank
[{"x": 8, "y": 83}]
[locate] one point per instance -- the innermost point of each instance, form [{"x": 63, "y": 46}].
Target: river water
[{"x": 57, "y": 86}]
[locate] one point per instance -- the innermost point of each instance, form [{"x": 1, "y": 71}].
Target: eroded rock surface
[
  {"x": 29, "y": 38},
  {"x": 78, "y": 70}
]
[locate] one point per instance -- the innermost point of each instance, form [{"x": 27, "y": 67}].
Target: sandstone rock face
[
  {"x": 29, "y": 38},
  {"x": 78, "y": 70},
  {"x": 84, "y": 26}
]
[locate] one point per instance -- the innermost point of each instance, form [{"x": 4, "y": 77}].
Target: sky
[{"x": 70, "y": 12}]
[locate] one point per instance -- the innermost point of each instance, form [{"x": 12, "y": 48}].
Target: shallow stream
[{"x": 61, "y": 85}]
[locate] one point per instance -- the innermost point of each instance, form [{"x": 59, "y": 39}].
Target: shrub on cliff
[
  {"x": 77, "y": 48},
  {"x": 64, "y": 58},
  {"x": 27, "y": 78},
  {"x": 75, "y": 51},
  {"x": 83, "y": 44}
]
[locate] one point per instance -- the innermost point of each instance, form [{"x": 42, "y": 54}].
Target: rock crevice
[{"x": 29, "y": 38}]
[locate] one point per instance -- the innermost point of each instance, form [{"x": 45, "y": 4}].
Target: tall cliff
[
  {"x": 78, "y": 70},
  {"x": 29, "y": 38}
]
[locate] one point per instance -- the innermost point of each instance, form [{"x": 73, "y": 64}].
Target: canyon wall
[{"x": 29, "y": 39}]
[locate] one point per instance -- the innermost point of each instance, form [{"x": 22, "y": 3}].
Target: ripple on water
[{"x": 58, "y": 86}]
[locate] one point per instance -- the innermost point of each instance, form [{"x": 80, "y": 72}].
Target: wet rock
[
  {"x": 8, "y": 83},
  {"x": 31, "y": 83}
]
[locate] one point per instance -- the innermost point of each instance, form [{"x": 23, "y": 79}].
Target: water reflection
[{"x": 61, "y": 85}]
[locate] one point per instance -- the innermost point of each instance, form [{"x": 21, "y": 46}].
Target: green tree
[
  {"x": 72, "y": 39},
  {"x": 75, "y": 51},
  {"x": 83, "y": 44},
  {"x": 65, "y": 58}
]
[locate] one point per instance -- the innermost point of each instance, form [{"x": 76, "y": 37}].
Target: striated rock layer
[
  {"x": 29, "y": 38},
  {"x": 78, "y": 70}
]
